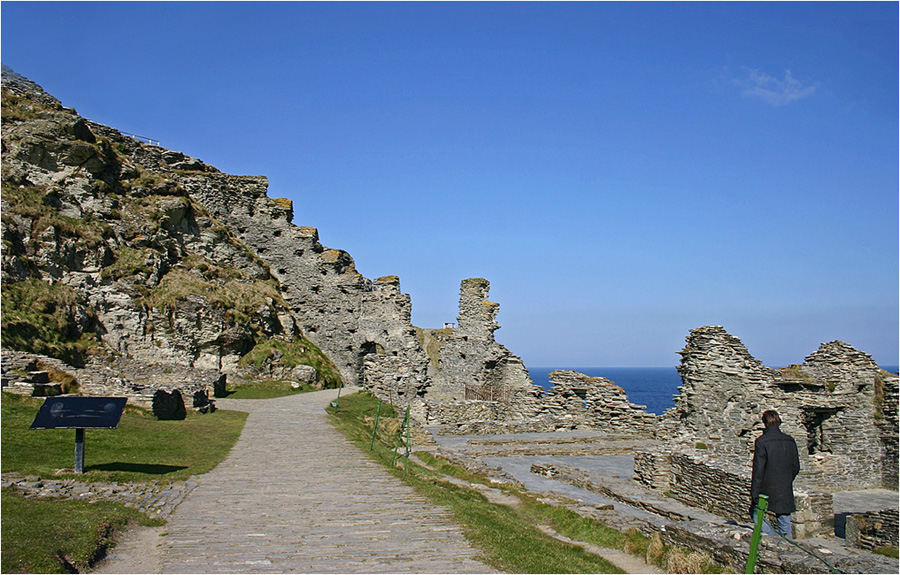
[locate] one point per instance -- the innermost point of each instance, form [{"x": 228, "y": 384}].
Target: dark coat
[{"x": 775, "y": 465}]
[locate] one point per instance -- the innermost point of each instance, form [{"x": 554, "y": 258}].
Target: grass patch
[
  {"x": 887, "y": 551},
  {"x": 41, "y": 318},
  {"x": 49, "y": 536},
  {"x": 141, "y": 449},
  {"x": 267, "y": 389},
  {"x": 508, "y": 536},
  {"x": 299, "y": 351}
]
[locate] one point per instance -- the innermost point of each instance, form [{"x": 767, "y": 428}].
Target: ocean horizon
[{"x": 654, "y": 387}]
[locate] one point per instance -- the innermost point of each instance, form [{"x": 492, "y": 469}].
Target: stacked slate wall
[
  {"x": 873, "y": 529},
  {"x": 722, "y": 486},
  {"x": 828, "y": 404}
]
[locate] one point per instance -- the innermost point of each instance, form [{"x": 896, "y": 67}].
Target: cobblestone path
[{"x": 295, "y": 496}]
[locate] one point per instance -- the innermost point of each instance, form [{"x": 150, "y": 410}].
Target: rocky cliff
[{"x": 118, "y": 247}]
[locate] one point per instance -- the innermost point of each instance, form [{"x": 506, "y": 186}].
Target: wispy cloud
[{"x": 774, "y": 91}]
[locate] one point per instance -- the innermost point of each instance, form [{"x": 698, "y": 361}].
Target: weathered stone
[
  {"x": 168, "y": 405},
  {"x": 873, "y": 529}
]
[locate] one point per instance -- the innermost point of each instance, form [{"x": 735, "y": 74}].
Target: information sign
[{"x": 79, "y": 413}]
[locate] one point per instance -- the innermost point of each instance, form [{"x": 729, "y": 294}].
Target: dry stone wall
[
  {"x": 143, "y": 384},
  {"x": 827, "y": 404},
  {"x": 873, "y": 529}
]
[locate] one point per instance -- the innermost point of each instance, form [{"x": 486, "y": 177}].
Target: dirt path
[{"x": 137, "y": 550}]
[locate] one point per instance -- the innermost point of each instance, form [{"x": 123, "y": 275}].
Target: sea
[{"x": 654, "y": 387}]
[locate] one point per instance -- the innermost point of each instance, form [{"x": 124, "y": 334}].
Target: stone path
[{"x": 295, "y": 496}]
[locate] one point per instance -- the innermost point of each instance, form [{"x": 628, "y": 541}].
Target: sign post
[
  {"x": 79, "y": 413},
  {"x": 761, "y": 507}
]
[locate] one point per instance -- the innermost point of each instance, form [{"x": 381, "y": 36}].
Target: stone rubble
[
  {"x": 152, "y": 499},
  {"x": 143, "y": 384}
]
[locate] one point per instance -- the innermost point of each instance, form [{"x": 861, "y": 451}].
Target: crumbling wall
[
  {"x": 828, "y": 404},
  {"x": 580, "y": 401},
  {"x": 886, "y": 404},
  {"x": 120, "y": 377},
  {"x": 473, "y": 366},
  {"x": 873, "y": 529}
]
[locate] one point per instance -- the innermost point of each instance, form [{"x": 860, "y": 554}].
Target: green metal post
[
  {"x": 375, "y": 427},
  {"x": 336, "y": 403},
  {"x": 400, "y": 438},
  {"x": 408, "y": 440},
  {"x": 757, "y": 533}
]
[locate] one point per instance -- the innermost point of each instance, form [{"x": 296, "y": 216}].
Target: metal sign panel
[{"x": 72, "y": 412}]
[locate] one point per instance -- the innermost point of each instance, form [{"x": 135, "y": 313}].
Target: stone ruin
[
  {"x": 167, "y": 389},
  {"x": 839, "y": 406}
]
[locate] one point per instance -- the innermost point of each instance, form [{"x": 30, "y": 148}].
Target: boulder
[{"x": 168, "y": 405}]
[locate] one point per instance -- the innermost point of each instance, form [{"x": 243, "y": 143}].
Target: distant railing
[
  {"x": 143, "y": 139},
  {"x": 488, "y": 392}
]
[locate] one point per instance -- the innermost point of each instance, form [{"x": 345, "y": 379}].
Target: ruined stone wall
[
  {"x": 118, "y": 377},
  {"x": 873, "y": 529},
  {"x": 594, "y": 403},
  {"x": 827, "y": 404},
  {"x": 718, "y": 374},
  {"x": 887, "y": 401},
  {"x": 346, "y": 315},
  {"x": 472, "y": 365}
]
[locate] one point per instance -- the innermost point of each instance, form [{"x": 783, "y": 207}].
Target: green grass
[
  {"x": 507, "y": 535},
  {"x": 141, "y": 449},
  {"x": 40, "y": 318},
  {"x": 887, "y": 551},
  {"x": 299, "y": 351},
  {"x": 267, "y": 389},
  {"x": 47, "y": 536}
]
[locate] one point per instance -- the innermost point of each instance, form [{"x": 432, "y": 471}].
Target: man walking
[{"x": 775, "y": 465}]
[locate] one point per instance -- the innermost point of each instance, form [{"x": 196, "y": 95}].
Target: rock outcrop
[{"x": 114, "y": 246}]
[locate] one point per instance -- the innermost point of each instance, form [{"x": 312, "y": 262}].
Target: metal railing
[{"x": 143, "y": 139}]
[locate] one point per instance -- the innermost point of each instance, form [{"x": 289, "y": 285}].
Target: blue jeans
[{"x": 782, "y": 524}]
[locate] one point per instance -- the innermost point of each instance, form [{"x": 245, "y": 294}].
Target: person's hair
[{"x": 770, "y": 418}]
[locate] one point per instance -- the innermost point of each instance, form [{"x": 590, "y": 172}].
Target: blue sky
[{"x": 620, "y": 172}]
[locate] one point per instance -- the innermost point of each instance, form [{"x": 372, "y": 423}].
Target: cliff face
[
  {"x": 114, "y": 245},
  {"x": 117, "y": 246}
]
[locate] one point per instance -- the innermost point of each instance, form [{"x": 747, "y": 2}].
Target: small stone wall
[
  {"x": 653, "y": 469},
  {"x": 730, "y": 546},
  {"x": 873, "y": 529},
  {"x": 581, "y": 401},
  {"x": 120, "y": 377},
  {"x": 700, "y": 480}
]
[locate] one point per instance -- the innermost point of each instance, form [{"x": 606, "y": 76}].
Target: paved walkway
[{"x": 295, "y": 496}]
